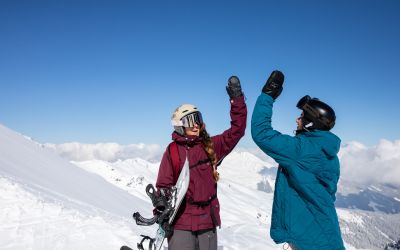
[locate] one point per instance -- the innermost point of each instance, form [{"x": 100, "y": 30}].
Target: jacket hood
[{"x": 329, "y": 142}]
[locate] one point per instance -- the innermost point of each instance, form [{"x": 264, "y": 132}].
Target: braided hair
[{"x": 209, "y": 148}]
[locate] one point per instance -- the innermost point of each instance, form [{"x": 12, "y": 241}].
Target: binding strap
[{"x": 151, "y": 242}]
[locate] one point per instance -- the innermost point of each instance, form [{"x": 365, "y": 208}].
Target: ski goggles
[
  {"x": 304, "y": 105},
  {"x": 303, "y": 101},
  {"x": 190, "y": 120},
  {"x": 312, "y": 113}
]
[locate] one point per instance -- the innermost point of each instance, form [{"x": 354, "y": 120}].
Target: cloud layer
[
  {"x": 107, "y": 151},
  {"x": 367, "y": 165},
  {"x": 359, "y": 163}
]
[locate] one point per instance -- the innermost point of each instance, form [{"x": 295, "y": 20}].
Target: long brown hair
[{"x": 209, "y": 148}]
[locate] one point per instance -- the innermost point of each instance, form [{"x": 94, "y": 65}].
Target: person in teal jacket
[{"x": 303, "y": 212}]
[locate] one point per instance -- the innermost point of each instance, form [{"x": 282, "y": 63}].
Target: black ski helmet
[{"x": 317, "y": 114}]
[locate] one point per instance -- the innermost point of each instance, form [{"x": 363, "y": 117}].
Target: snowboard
[{"x": 178, "y": 192}]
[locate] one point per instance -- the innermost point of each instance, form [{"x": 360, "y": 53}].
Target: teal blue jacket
[{"x": 303, "y": 211}]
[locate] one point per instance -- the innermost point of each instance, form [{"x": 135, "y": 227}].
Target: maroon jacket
[{"x": 202, "y": 188}]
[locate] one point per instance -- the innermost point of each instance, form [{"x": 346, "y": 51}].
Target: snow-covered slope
[
  {"x": 369, "y": 230},
  {"x": 53, "y": 178},
  {"x": 48, "y": 203},
  {"x": 28, "y": 221}
]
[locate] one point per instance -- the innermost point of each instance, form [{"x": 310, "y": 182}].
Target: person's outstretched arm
[
  {"x": 282, "y": 148},
  {"x": 225, "y": 142}
]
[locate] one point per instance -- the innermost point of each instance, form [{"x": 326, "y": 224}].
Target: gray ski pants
[{"x": 188, "y": 240}]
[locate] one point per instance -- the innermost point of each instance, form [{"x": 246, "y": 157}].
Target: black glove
[
  {"x": 234, "y": 89},
  {"x": 273, "y": 86}
]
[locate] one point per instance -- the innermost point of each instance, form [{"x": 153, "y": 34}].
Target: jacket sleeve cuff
[
  {"x": 267, "y": 97},
  {"x": 239, "y": 99}
]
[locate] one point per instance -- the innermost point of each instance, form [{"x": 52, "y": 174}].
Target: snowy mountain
[
  {"x": 370, "y": 177},
  {"x": 376, "y": 197},
  {"x": 50, "y": 202}
]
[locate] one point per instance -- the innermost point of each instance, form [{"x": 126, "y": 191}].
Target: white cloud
[
  {"x": 359, "y": 163},
  {"x": 367, "y": 165},
  {"x": 107, "y": 151}
]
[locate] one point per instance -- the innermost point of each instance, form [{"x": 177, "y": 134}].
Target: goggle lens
[
  {"x": 190, "y": 120},
  {"x": 305, "y": 99}
]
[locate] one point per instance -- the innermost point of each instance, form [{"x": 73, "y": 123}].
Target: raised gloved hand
[
  {"x": 234, "y": 89},
  {"x": 273, "y": 86}
]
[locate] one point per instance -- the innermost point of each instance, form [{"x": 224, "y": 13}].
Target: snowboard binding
[{"x": 166, "y": 204}]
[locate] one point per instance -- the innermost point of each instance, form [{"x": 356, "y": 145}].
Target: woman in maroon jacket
[{"x": 198, "y": 216}]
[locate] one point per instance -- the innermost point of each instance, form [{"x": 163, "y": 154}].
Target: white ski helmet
[{"x": 185, "y": 115}]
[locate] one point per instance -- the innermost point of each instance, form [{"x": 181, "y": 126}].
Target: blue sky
[{"x": 114, "y": 71}]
